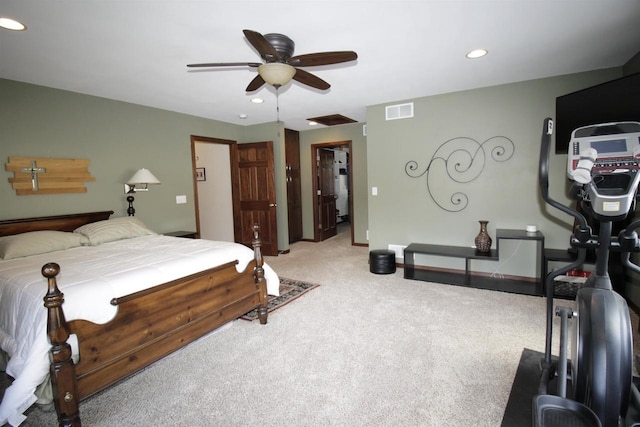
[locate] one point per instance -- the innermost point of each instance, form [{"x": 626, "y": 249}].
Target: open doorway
[
  {"x": 211, "y": 159},
  {"x": 332, "y": 188}
]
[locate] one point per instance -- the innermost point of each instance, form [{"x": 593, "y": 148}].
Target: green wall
[
  {"x": 504, "y": 193},
  {"x": 117, "y": 137}
]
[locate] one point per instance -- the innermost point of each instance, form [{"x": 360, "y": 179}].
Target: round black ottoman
[{"x": 382, "y": 261}]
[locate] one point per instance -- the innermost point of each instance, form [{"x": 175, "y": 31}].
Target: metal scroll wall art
[{"x": 463, "y": 160}]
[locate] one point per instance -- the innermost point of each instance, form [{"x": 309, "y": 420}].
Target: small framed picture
[{"x": 201, "y": 174}]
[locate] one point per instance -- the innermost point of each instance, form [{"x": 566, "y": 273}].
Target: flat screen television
[{"x": 614, "y": 101}]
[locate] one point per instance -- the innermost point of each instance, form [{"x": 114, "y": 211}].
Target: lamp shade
[
  {"x": 143, "y": 176},
  {"x": 276, "y": 73}
]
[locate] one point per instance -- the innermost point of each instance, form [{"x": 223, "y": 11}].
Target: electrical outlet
[{"x": 398, "y": 249}]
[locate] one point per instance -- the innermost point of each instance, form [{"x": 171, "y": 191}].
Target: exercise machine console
[
  {"x": 597, "y": 389},
  {"x": 606, "y": 159}
]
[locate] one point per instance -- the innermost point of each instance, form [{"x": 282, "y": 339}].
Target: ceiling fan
[{"x": 280, "y": 66}]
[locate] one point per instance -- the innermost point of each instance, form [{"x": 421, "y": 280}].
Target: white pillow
[
  {"x": 38, "y": 242},
  {"x": 110, "y": 230}
]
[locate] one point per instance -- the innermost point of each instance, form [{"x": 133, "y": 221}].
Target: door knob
[{"x": 272, "y": 205}]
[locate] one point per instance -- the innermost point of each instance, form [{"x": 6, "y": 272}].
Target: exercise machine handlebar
[
  {"x": 582, "y": 234},
  {"x": 543, "y": 177}
]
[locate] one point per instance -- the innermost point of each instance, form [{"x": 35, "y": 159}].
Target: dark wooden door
[
  {"x": 254, "y": 194},
  {"x": 294, "y": 187},
  {"x": 327, "y": 196}
]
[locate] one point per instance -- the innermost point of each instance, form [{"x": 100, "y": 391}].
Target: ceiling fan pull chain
[
  {"x": 277, "y": 103},
  {"x": 278, "y": 108}
]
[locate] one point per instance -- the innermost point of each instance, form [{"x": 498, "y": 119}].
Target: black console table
[{"x": 468, "y": 278}]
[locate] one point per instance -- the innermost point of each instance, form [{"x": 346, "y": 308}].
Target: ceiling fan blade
[
  {"x": 322, "y": 58},
  {"x": 262, "y": 45},
  {"x": 309, "y": 79},
  {"x": 255, "y": 84},
  {"x": 226, "y": 64}
]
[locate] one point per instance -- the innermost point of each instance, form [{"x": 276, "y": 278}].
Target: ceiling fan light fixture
[{"x": 276, "y": 73}]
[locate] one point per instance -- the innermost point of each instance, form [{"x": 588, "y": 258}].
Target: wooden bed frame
[{"x": 149, "y": 324}]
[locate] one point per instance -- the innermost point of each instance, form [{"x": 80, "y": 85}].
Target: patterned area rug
[{"x": 289, "y": 291}]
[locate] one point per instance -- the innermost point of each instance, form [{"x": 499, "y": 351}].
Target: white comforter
[{"x": 90, "y": 276}]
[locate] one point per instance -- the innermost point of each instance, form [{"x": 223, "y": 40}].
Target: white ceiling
[{"x": 137, "y": 50}]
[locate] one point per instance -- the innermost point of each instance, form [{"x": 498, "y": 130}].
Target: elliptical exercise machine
[{"x": 604, "y": 164}]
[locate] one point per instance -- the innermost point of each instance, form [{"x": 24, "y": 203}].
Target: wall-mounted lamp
[{"x": 138, "y": 182}]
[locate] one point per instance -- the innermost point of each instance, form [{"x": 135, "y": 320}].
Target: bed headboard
[{"x": 58, "y": 222}]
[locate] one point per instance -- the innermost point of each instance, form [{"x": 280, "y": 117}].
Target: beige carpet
[{"x": 360, "y": 350}]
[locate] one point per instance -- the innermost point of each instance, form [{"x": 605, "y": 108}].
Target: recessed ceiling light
[
  {"x": 257, "y": 100},
  {"x": 312, "y": 123},
  {"x": 478, "y": 53},
  {"x": 242, "y": 116},
  {"x": 12, "y": 24}
]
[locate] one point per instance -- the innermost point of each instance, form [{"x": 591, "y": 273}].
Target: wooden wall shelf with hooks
[{"x": 43, "y": 175}]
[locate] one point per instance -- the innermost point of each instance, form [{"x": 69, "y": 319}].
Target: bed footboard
[
  {"x": 62, "y": 369},
  {"x": 261, "y": 282},
  {"x": 149, "y": 325}
]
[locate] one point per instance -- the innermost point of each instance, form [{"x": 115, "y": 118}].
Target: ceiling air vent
[
  {"x": 399, "y": 111},
  {"x": 332, "y": 120}
]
